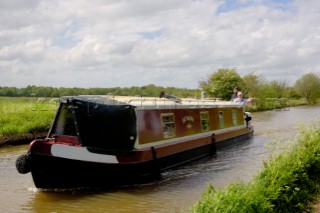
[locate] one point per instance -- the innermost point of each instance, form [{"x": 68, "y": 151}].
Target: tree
[
  {"x": 258, "y": 87},
  {"x": 308, "y": 86},
  {"x": 221, "y": 83},
  {"x": 252, "y": 84},
  {"x": 279, "y": 88},
  {"x": 292, "y": 93}
]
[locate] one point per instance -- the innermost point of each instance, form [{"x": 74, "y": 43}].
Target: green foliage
[
  {"x": 253, "y": 84},
  {"x": 20, "y": 115},
  {"x": 256, "y": 86},
  {"x": 278, "y": 88},
  {"x": 221, "y": 83},
  {"x": 273, "y": 104},
  {"x": 292, "y": 93},
  {"x": 308, "y": 86},
  {"x": 265, "y": 93},
  {"x": 286, "y": 184},
  {"x": 149, "y": 90}
]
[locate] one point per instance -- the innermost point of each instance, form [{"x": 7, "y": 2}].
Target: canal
[{"x": 177, "y": 190}]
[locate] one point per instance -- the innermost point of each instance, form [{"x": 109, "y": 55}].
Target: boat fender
[
  {"x": 157, "y": 170},
  {"x": 154, "y": 153},
  {"x": 213, "y": 147},
  {"x": 248, "y": 118},
  {"x": 23, "y": 164}
]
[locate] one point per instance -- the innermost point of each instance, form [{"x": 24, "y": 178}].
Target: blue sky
[
  {"x": 151, "y": 34},
  {"x": 167, "y": 43},
  {"x": 231, "y": 5}
]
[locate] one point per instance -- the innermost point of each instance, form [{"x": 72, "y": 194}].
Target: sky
[{"x": 170, "y": 43}]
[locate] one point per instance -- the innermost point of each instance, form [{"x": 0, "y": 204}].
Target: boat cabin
[{"x": 127, "y": 123}]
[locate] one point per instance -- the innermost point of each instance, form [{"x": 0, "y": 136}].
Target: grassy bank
[
  {"x": 25, "y": 115},
  {"x": 273, "y": 104},
  {"x": 286, "y": 183}
]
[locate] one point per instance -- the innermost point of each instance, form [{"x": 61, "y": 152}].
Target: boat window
[
  {"x": 168, "y": 127},
  {"x": 235, "y": 117},
  {"x": 221, "y": 121},
  {"x": 204, "y": 119},
  {"x": 64, "y": 123}
]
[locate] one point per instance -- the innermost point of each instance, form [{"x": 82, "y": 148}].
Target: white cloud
[{"x": 169, "y": 43}]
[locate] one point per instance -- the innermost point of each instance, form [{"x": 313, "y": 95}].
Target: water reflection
[{"x": 177, "y": 190}]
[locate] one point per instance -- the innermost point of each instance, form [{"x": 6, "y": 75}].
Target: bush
[
  {"x": 273, "y": 103},
  {"x": 286, "y": 183}
]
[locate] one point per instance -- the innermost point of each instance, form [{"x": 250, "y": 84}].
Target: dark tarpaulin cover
[{"x": 104, "y": 123}]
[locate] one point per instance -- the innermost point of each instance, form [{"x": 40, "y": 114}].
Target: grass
[
  {"x": 272, "y": 104},
  {"x": 25, "y": 115},
  {"x": 287, "y": 182}
]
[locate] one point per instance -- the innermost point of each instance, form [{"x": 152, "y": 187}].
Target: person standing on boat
[
  {"x": 239, "y": 99},
  {"x": 235, "y": 93}
]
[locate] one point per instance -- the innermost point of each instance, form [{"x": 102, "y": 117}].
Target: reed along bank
[{"x": 286, "y": 183}]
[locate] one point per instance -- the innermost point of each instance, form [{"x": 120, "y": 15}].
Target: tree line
[
  {"x": 220, "y": 84},
  {"x": 150, "y": 90}
]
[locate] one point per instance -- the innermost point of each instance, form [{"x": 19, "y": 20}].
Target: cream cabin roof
[{"x": 155, "y": 102}]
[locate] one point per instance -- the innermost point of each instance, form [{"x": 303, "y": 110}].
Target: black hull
[{"x": 54, "y": 172}]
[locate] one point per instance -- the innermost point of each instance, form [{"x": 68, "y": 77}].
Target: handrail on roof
[
  {"x": 155, "y": 101},
  {"x": 159, "y": 102}
]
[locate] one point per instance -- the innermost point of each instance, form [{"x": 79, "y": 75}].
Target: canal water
[{"x": 176, "y": 191}]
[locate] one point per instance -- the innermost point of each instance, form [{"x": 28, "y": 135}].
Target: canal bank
[
  {"x": 280, "y": 104},
  {"x": 177, "y": 190},
  {"x": 19, "y": 139},
  {"x": 287, "y": 183}
]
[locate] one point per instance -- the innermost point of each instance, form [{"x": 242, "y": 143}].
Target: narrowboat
[{"x": 106, "y": 141}]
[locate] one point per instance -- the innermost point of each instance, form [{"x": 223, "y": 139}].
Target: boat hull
[{"x": 57, "y": 172}]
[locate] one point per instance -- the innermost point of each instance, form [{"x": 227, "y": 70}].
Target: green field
[{"x": 25, "y": 115}]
